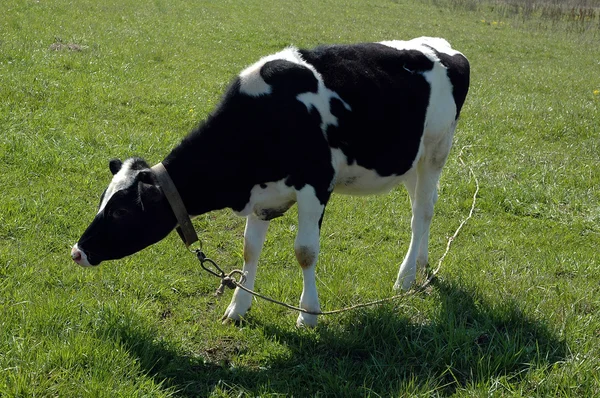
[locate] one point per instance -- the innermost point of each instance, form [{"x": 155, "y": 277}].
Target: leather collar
[{"x": 186, "y": 230}]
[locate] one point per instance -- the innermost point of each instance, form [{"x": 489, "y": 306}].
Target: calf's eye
[{"x": 118, "y": 213}]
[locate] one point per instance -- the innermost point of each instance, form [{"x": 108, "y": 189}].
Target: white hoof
[
  {"x": 406, "y": 276},
  {"x": 306, "y": 320},
  {"x": 404, "y": 283},
  {"x": 239, "y": 306}
]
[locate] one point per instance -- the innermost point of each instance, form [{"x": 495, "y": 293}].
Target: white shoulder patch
[{"x": 252, "y": 83}]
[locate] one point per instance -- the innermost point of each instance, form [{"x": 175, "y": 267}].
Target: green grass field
[{"x": 514, "y": 311}]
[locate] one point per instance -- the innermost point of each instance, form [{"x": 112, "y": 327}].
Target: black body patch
[
  {"x": 288, "y": 77},
  {"x": 388, "y": 97}
]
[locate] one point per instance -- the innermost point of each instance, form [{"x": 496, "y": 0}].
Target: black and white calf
[{"x": 293, "y": 128}]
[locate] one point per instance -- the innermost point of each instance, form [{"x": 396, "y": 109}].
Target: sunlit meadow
[{"x": 514, "y": 310}]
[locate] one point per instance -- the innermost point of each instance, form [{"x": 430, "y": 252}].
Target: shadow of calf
[{"x": 463, "y": 342}]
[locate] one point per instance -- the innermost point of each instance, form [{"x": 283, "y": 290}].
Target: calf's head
[{"x": 133, "y": 214}]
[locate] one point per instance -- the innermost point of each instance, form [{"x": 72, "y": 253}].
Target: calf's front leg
[
  {"x": 306, "y": 247},
  {"x": 254, "y": 239}
]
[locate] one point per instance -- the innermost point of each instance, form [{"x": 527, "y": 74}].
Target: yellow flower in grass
[{"x": 596, "y": 92}]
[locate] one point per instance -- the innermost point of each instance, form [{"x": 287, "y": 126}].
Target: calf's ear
[
  {"x": 146, "y": 177},
  {"x": 148, "y": 194},
  {"x": 115, "y": 165},
  {"x": 148, "y": 191}
]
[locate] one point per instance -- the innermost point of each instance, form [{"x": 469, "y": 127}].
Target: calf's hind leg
[
  {"x": 411, "y": 187},
  {"x": 254, "y": 239},
  {"x": 422, "y": 188}
]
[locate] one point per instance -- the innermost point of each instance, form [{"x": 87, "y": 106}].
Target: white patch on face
[
  {"x": 122, "y": 180},
  {"x": 79, "y": 256}
]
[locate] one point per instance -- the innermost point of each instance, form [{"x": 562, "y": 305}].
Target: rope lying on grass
[{"x": 227, "y": 280}]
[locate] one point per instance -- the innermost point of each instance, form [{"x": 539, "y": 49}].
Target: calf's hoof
[
  {"x": 306, "y": 320},
  {"x": 239, "y": 306},
  {"x": 232, "y": 315},
  {"x": 232, "y": 318},
  {"x": 405, "y": 283}
]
